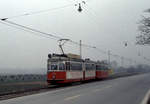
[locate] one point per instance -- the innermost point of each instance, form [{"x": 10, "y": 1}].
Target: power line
[
  {"x": 25, "y": 30},
  {"x": 31, "y": 29},
  {"x": 37, "y": 31},
  {"x": 55, "y": 37},
  {"x": 38, "y": 12},
  {"x": 51, "y": 35}
]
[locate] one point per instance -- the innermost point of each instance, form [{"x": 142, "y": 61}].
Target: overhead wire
[
  {"x": 38, "y": 12},
  {"x": 31, "y": 29},
  {"x": 54, "y": 36},
  {"x": 89, "y": 46},
  {"x": 25, "y": 30},
  {"x": 38, "y": 31},
  {"x": 51, "y": 35}
]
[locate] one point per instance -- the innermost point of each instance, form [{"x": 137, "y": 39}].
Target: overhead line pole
[
  {"x": 109, "y": 57},
  {"x": 81, "y": 49}
]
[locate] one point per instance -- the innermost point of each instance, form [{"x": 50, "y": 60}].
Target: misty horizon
[{"x": 105, "y": 24}]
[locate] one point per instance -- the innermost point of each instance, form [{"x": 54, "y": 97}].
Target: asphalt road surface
[{"x": 125, "y": 90}]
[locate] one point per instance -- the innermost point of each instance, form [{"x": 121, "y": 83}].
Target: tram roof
[{"x": 64, "y": 57}]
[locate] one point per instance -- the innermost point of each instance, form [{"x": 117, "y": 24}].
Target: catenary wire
[
  {"x": 38, "y": 12},
  {"x": 56, "y": 37},
  {"x": 26, "y": 30},
  {"x": 31, "y": 29}
]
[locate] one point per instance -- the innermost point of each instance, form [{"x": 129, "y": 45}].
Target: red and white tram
[{"x": 65, "y": 69}]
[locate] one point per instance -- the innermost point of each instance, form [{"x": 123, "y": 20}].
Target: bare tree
[{"x": 144, "y": 37}]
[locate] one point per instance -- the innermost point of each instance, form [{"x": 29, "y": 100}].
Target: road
[{"x": 125, "y": 90}]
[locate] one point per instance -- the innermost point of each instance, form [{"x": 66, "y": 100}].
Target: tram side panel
[
  {"x": 101, "y": 74},
  {"x": 101, "y": 71},
  {"x": 90, "y": 75},
  {"x": 75, "y": 73},
  {"x": 90, "y": 71}
]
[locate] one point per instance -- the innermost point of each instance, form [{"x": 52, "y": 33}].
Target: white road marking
[
  {"x": 96, "y": 90},
  {"x": 72, "y": 97}
]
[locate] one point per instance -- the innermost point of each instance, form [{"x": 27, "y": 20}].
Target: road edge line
[{"x": 146, "y": 98}]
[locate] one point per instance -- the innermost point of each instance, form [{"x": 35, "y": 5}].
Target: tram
[
  {"x": 67, "y": 68},
  {"x": 63, "y": 69}
]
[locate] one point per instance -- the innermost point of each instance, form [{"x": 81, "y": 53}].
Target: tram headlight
[{"x": 53, "y": 76}]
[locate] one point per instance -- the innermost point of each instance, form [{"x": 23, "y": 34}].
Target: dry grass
[{"x": 21, "y": 86}]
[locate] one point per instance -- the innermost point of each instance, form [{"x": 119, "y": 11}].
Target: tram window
[
  {"x": 98, "y": 67},
  {"x": 76, "y": 66},
  {"x": 93, "y": 66},
  {"x": 54, "y": 67},
  {"x": 105, "y": 68},
  {"x": 90, "y": 66},
  {"x": 61, "y": 66},
  {"x": 102, "y": 67}
]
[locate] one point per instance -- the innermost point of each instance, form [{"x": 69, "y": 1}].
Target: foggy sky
[{"x": 106, "y": 24}]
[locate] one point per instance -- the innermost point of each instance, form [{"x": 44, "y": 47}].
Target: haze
[{"x": 106, "y": 24}]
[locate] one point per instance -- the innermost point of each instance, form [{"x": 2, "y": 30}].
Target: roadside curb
[{"x": 146, "y": 99}]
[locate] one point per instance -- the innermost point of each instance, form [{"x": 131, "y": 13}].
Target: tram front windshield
[{"x": 54, "y": 67}]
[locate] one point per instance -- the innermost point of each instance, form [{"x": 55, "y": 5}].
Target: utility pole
[
  {"x": 80, "y": 49},
  {"x": 109, "y": 57}
]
